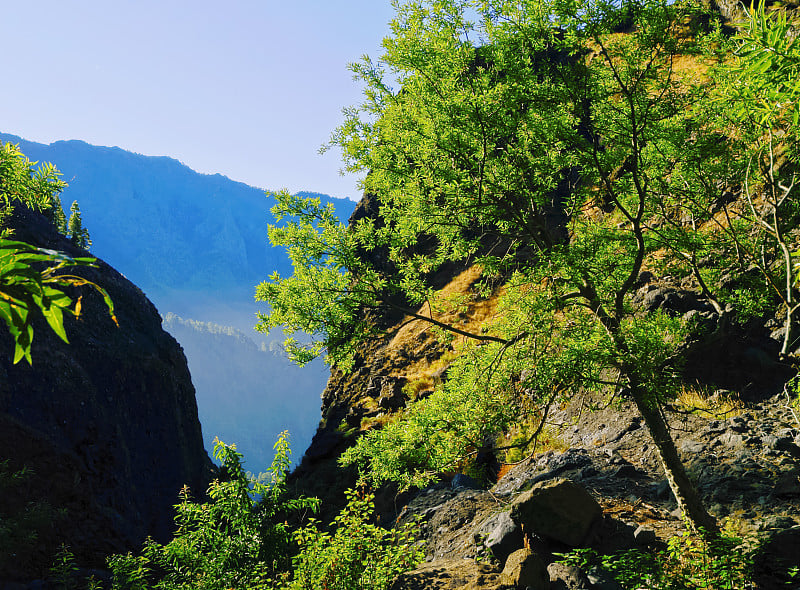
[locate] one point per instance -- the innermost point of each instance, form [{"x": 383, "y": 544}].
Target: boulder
[
  {"x": 524, "y": 569},
  {"x": 557, "y": 509},
  {"x": 567, "y": 577},
  {"x": 501, "y": 535}
]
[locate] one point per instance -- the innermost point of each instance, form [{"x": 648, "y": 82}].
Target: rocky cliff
[
  {"x": 105, "y": 427},
  {"x": 596, "y": 468}
]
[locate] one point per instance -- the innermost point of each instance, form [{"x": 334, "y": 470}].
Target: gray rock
[
  {"x": 602, "y": 580},
  {"x": 644, "y": 535},
  {"x": 464, "y": 481},
  {"x": 788, "y": 445},
  {"x": 501, "y": 535},
  {"x": 737, "y": 424},
  {"x": 770, "y": 441},
  {"x": 692, "y": 447},
  {"x": 557, "y": 509},
  {"x": 524, "y": 569},
  {"x": 567, "y": 577},
  {"x": 732, "y": 439}
]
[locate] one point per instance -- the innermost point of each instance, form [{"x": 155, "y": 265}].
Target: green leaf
[{"x": 55, "y": 318}]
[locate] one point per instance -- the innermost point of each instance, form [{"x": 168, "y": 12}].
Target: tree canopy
[{"x": 564, "y": 147}]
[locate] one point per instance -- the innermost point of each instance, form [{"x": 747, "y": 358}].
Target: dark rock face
[{"x": 107, "y": 423}]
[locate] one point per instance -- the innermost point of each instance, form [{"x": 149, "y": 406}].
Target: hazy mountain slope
[
  {"x": 167, "y": 228},
  {"x": 249, "y": 393}
]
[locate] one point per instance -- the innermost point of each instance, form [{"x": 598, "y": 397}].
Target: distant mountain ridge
[
  {"x": 166, "y": 227},
  {"x": 197, "y": 245},
  {"x": 248, "y": 393}
]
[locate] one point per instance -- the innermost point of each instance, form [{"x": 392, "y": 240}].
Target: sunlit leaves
[
  {"x": 357, "y": 553},
  {"x": 25, "y": 289},
  {"x": 22, "y": 182},
  {"x": 767, "y": 69},
  {"x": 329, "y": 285}
]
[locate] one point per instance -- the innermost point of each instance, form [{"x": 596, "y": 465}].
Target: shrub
[
  {"x": 358, "y": 555},
  {"x": 689, "y": 562},
  {"x": 239, "y": 539}
]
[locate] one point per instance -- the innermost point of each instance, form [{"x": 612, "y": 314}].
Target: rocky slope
[
  {"x": 106, "y": 426},
  {"x": 736, "y": 431},
  {"x": 606, "y": 491}
]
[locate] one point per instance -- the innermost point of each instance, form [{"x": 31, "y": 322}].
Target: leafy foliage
[
  {"x": 24, "y": 288},
  {"x": 316, "y": 298},
  {"x": 241, "y": 538},
  {"x": 358, "y": 555},
  {"x": 33, "y": 279},
  {"x": 766, "y": 65},
  {"x": 553, "y": 151},
  {"x": 236, "y": 540},
  {"x": 35, "y": 188},
  {"x": 759, "y": 97},
  {"x": 688, "y": 563}
]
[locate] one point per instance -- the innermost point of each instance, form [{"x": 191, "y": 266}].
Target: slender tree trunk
[{"x": 686, "y": 494}]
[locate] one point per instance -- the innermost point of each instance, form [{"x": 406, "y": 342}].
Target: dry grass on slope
[{"x": 416, "y": 351}]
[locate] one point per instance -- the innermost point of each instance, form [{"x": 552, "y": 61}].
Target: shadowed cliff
[{"x": 106, "y": 425}]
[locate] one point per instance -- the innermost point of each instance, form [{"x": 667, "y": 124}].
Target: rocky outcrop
[
  {"x": 106, "y": 425},
  {"x": 607, "y": 493}
]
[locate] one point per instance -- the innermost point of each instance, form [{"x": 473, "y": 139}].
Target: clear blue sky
[{"x": 247, "y": 88}]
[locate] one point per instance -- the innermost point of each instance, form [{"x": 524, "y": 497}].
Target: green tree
[
  {"x": 562, "y": 146},
  {"x": 33, "y": 280},
  {"x": 77, "y": 233},
  {"x": 759, "y": 95}
]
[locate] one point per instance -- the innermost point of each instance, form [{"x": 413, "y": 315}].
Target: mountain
[
  {"x": 99, "y": 435},
  {"x": 250, "y": 393},
  {"x": 187, "y": 239},
  {"x": 197, "y": 245}
]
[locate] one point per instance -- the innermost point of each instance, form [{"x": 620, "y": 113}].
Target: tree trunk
[{"x": 686, "y": 494}]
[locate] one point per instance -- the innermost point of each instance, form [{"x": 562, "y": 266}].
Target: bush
[
  {"x": 241, "y": 539},
  {"x": 688, "y": 563},
  {"x": 359, "y": 555}
]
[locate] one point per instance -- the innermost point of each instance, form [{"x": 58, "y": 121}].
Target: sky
[{"x": 250, "y": 89}]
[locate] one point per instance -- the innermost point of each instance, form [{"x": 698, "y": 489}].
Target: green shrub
[
  {"x": 688, "y": 563},
  {"x": 358, "y": 555},
  {"x": 239, "y": 539}
]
